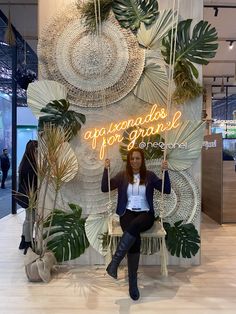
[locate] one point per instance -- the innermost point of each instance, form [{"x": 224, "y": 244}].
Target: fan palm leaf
[
  {"x": 96, "y": 226},
  {"x": 130, "y": 13},
  {"x": 40, "y": 93},
  {"x": 65, "y": 167},
  {"x": 151, "y": 36},
  {"x": 153, "y": 84},
  {"x": 191, "y": 134}
]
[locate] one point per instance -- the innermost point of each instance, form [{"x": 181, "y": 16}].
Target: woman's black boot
[
  {"x": 27, "y": 245},
  {"x": 126, "y": 241},
  {"x": 133, "y": 262},
  {"x": 22, "y": 243}
]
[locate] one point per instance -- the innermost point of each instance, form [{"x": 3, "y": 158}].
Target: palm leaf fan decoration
[
  {"x": 151, "y": 37},
  {"x": 131, "y": 13},
  {"x": 65, "y": 166},
  {"x": 189, "y": 133},
  {"x": 191, "y": 47},
  {"x": 149, "y": 151},
  {"x": 153, "y": 84},
  {"x": 88, "y": 13},
  {"x": 67, "y": 238},
  {"x": 40, "y": 93},
  {"x": 96, "y": 227},
  {"x": 58, "y": 114}
]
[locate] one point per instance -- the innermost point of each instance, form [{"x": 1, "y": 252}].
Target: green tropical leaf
[
  {"x": 150, "y": 152},
  {"x": 89, "y": 14},
  {"x": 67, "y": 238},
  {"x": 191, "y": 47},
  {"x": 58, "y": 113},
  {"x": 182, "y": 239},
  {"x": 130, "y": 13},
  {"x": 197, "y": 47}
]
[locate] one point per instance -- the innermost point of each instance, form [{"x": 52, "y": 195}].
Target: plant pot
[{"x": 39, "y": 268}]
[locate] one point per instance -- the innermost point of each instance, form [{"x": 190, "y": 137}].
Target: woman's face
[{"x": 136, "y": 161}]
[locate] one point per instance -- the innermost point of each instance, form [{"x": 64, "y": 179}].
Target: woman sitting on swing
[{"x": 135, "y": 207}]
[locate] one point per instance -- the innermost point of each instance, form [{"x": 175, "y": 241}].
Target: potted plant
[{"x": 56, "y": 165}]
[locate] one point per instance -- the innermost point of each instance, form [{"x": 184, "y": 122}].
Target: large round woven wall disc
[
  {"x": 97, "y": 70},
  {"x": 184, "y": 201}
]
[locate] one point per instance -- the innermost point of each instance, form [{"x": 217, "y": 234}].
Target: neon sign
[{"x": 110, "y": 135}]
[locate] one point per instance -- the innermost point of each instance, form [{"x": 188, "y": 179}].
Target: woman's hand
[
  {"x": 107, "y": 163},
  {"x": 164, "y": 165}
]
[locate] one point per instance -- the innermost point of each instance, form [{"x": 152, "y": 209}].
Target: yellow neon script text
[{"x": 110, "y": 137}]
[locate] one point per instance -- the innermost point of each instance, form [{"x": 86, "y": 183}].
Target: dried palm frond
[
  {"x": 186, "y": 87},
  {"x": 88, "y": 12},
  {"x": 52, "y": 139},
  {"x": 9, "y": 36},
  {"x": 65, "y": 167}
]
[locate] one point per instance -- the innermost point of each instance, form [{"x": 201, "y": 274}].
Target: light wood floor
[{"x": 209, "y": 288}]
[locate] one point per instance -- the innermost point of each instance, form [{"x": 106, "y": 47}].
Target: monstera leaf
[
  {"x": 182, "y": 239},
  {"x": 151, "y": 150},
  {"x": 196, "y": 47},
  {"x": 67, "y": 238},
  {"x": 130, "y": 13},
  {"x": 191, "y": 47},
  {"x": 58, "y": 114}
]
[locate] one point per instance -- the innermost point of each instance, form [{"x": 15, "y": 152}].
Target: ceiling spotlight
[
  {"x": 216, "y": 11},
  {"x": 231, "y": 44}
]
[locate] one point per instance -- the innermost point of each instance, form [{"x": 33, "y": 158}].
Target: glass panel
[
  {"x": 224, "y": 111},
  {"x": 5, "y": 143}
]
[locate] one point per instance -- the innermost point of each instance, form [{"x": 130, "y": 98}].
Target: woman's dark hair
[
  {"x": 129, "y": 170},
  {"x": 29, "y": 154}
]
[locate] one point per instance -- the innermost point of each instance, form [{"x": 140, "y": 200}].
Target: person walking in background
[
  {"x": 27, "y": 184},
  {"x": 5, "y": 166},
  {"x": 135, "y": 207}
]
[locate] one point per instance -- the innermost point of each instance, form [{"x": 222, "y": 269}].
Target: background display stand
[{"x": 218, "y": 182}]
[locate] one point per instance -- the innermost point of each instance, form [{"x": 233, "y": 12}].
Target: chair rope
[
  {"x": 163, "y": 250},
  {"x": 98, "y": 22}
]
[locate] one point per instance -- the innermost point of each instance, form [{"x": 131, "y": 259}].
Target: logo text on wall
[{"x": 110, "y": 135}]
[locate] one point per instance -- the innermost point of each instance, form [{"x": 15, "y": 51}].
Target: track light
[
  {"x": 227, "y": 79},
  {"x": 231, "y": 44},
  {"x": 222, "y": 88},
  {"x": 216, "y": 11},
  {"x": 235, "y": 73},
  {"x": 214, "y": 78}
]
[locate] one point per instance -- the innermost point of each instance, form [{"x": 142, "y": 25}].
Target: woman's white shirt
[{"x": 136, "y": 194}]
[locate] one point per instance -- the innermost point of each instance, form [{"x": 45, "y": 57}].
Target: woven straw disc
[
  {"x": 97, "y": 70},
  {"x": 184, "y": 201}
]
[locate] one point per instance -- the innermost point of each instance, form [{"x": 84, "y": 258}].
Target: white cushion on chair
[{"x": 115, "y": 230}]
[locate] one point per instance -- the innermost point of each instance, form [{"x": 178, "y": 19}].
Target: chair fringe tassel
[{"x": 164, "y": 257}]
